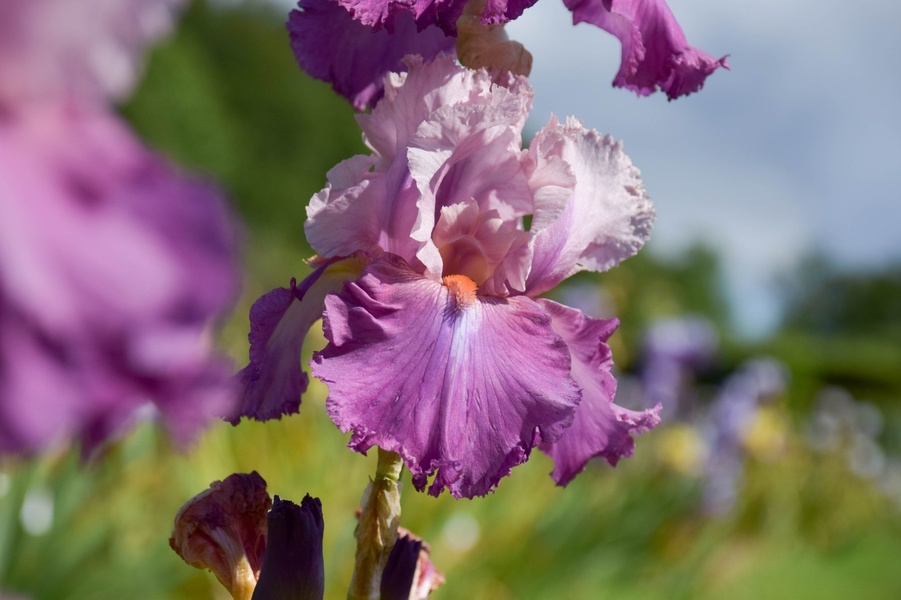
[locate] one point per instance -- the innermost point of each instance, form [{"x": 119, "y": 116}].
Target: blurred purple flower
[
  {"x": 733, "y": 414},
  {"x": 86, "y": 50},
  {"x": 674, "y": 351},
  {"x": 374, "y": 35},
  {"x": 111, "y": 262},
  {"x": 441, "y": 351}
]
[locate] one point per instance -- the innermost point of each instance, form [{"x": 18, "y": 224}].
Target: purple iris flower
[
  {"x": 374, "y": 35},
  {"x": 439, "y": 347},
  {"x": 111, "y": 262}
]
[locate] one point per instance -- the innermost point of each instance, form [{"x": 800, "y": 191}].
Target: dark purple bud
[
  {"x": 400, "y": 571},
  {"x": 293, "y": 567},
  {"x": 409, "y": 573}
]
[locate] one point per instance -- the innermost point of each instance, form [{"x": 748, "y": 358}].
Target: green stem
[{"x": 377, "y": 528}]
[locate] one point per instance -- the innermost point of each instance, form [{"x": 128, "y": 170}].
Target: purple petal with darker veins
[
  {"x": 459, "y": 385},
  {"x": 330, "y": 45},
  {"x": 273, "y": 382},
  {"x": 600, "y": 427},
  {"x": 655, "y": 53}
]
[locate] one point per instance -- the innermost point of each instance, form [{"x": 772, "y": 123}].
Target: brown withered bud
[{"x": 224, "y": 529}]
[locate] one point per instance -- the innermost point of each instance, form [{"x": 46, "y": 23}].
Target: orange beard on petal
[{"x": 462, "y": 287}]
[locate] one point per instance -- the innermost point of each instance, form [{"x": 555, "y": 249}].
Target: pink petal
[
  {"x": 411, "y": 97},
  {"x": 600, "y": 427},
  {"x": 465, "y": 152},
  {"x": 483, "y": 247},
  {"x": 655, "y": 51},
  {"x": 458, "y": 385},
  {"x": 441, "y": 135},
  {"x": 605, "y": 219},
  {"x": 363, "y": 211}
]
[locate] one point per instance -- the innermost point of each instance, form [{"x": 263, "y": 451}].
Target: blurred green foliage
[
  {"x": 824, "y": 299},
  {"x": 224, "y": 97}
]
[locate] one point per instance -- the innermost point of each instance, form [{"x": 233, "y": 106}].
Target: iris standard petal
[
  {"x": 607, "y": 217},
  {"x": 469, "y": 152},
  {"x": 445, "y": 135},
  {"x": 600, "y": 427},
  {"x": 331, "y": 45},
  {"x": 655, "y": 53},
  {"x": 411, "y": 97},
  {"x": 364, "y": 211},
  {"x": 459, "y": 385}
]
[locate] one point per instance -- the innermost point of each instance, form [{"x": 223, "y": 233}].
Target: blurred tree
[{"x": 824, "y": 299}]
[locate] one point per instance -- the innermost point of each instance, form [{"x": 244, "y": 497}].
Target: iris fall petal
[
  {"x": 600, "y": 427},
  {"x": 274, "y": 381},
  {"x": 459, "y": 385}
]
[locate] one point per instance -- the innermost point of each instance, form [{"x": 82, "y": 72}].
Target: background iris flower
[{"x": 112, "y": 263}]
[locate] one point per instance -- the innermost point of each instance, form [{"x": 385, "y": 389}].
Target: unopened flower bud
[
  {"x": 293, "y": 567},
  {"x": 410, "y": 573}
]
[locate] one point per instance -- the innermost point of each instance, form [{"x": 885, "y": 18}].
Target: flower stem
[{"x": 377, "y": 528}]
